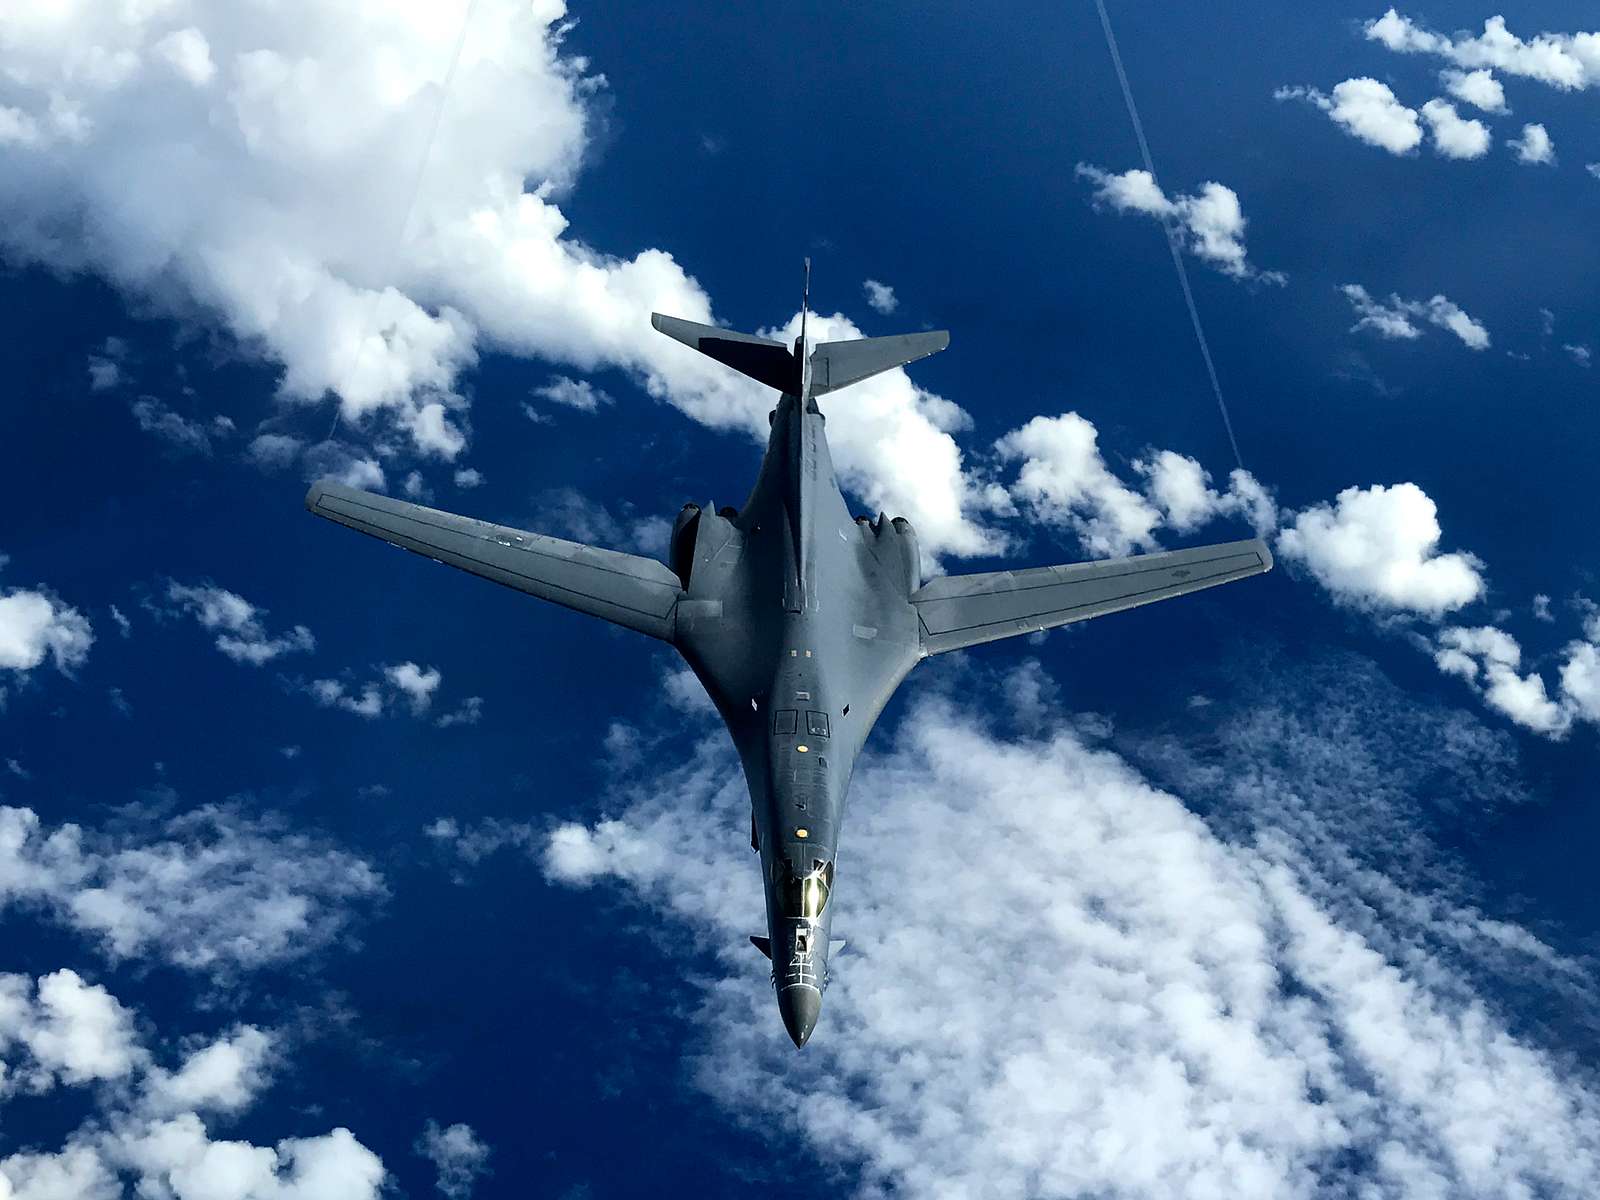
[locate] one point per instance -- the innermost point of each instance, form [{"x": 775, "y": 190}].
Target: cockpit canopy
[{"x": 803, "y": 897}]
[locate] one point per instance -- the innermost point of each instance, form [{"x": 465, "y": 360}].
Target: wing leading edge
[
  {"x": 636, "y": 593},
  {"x": 957, "y": 611}
]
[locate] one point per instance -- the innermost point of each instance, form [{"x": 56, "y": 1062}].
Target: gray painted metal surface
[{"x": 799, "y": 619}]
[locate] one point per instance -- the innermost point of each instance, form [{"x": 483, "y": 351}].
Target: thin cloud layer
[
  {"x": 1061, "y": 982},
  {"x": 213, "y": 890},
  {"x": 1210, "y": 224}
]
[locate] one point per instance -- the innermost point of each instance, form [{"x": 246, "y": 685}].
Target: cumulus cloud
[
  {"x": 231, "y": 195},
  {"x": 1490, "y": 657},
  {"x": 1453, "y": 135},
  {"x": 1535, "y": 146},
  {"x": 880, "y": 297},
  {"x": 459, "y": 1156},
  {"x": 241, "y": 635},
  {"x": 1367, "y": 110},
  {"x": 1565, "y": 61},
  {"x": 469, "y": 477},
  {"x": 415, "y": 683},
  {"x": 211, "y": 890},
  {"x": 1188, "y": 1010},
  {"x": 1063, "y": 480},
  {"x": 34, "y": 625},
  {"x": 149, "y": 1135},
  {"x": 1210, "y": 224},
  {"x": 1477, "y": 88},
  {"x": 1378, "y": 548},
  {"x": 1398, "y": 318}
]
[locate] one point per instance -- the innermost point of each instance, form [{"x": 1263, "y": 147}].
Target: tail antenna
[{"x": 805, "y": 302}]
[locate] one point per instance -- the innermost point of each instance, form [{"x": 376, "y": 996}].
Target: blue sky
[{"x": 325, "y": 871}]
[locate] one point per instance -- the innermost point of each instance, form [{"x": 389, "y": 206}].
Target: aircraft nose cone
[{"x": 800, "y": 1004}]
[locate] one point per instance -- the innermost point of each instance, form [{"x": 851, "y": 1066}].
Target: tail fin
[{"x": 834, "y": 365}]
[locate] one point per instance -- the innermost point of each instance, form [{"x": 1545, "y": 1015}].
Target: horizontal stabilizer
[
  {"x": 763, "y": 359},
  {"x": 839, "y": 364}
]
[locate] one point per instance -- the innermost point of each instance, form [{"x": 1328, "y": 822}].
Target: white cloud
[
  {"x": 188, "y": 53},
  {"x": 469, "y": 477},
  {"x": 1535, "y": 146},
  {"x": 1181, "y": 488},
  {"x": 1453, "y": 135},
  {"x": 469, "y": 712},
  {"x": 1579, "y": 354},
  {"x": 1367, "y": 110},
  {"x": 71, "y": 1032},
  {"x": 182, "y": 434},
  {"x": 1212, "y": 220},
  {"x": 1397, "y": 318},
  {"x": 1477, "y": 88},
  {"x": 241, "y": 634},
  {"x": 238, "y": 200},
  {"x": 418, "y": 684},
  {"x": 35, "y": 625},
  {"x": 1565, "y": 61},
  {"x": 1184, "y": 1013},
  {"x": 573, "y": 393},
  {"x": 458, "y": 1154},
  {"x": 880, "y": 297},
  {"x": 1580, "y": 681},
  {"x": 1489, "y": 658},
  {"x": 1378, "y": 548},
  {"x": 149, "y": 1137},
  {"x": 1593, "y": 169},
  {"x": 1064, "y": 481},
  {"x": 333, "y": 693},
  {"x": 476, "y": 842},
  {"x": 212, "y": 890}
]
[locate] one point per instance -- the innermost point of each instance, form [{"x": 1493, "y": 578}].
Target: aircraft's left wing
[
  {"x": 966, "y": 610},
  {"x": 634, "y": 592}
]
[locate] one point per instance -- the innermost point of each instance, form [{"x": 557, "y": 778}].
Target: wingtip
[
  {"x": 657, "y": 320},
  {"x": 315, "y": 493},
  {"x": 1266, "y": 554}
]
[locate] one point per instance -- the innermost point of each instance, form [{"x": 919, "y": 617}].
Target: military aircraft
[{"x": 799, "y": 618}]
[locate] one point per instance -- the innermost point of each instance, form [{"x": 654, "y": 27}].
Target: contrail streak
[{"x": 1173, "y": 242}]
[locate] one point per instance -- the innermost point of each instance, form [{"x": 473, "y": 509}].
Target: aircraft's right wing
[
  {"x": 965, "y": 610},
  {"x": 637, "y": 593}
]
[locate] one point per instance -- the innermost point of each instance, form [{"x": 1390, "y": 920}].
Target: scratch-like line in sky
[
  {"x": 1172, "y": 233},
  {"x": 422, "y": 170}
]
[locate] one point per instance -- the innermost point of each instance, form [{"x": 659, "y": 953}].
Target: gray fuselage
[{"x": 798, "y": 622}]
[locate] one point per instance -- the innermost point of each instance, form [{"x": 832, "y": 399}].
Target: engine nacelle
[
  {"x": 684, "y": 530},
  {"x": 894, "y": 545},
  {"x": 910, "y": 555}
]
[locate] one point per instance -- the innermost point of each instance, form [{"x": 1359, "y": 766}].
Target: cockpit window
[{"x": 803, "y": 897}]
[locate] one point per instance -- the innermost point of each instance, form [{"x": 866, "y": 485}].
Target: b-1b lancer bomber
[{"x": 799, "y": 619}]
